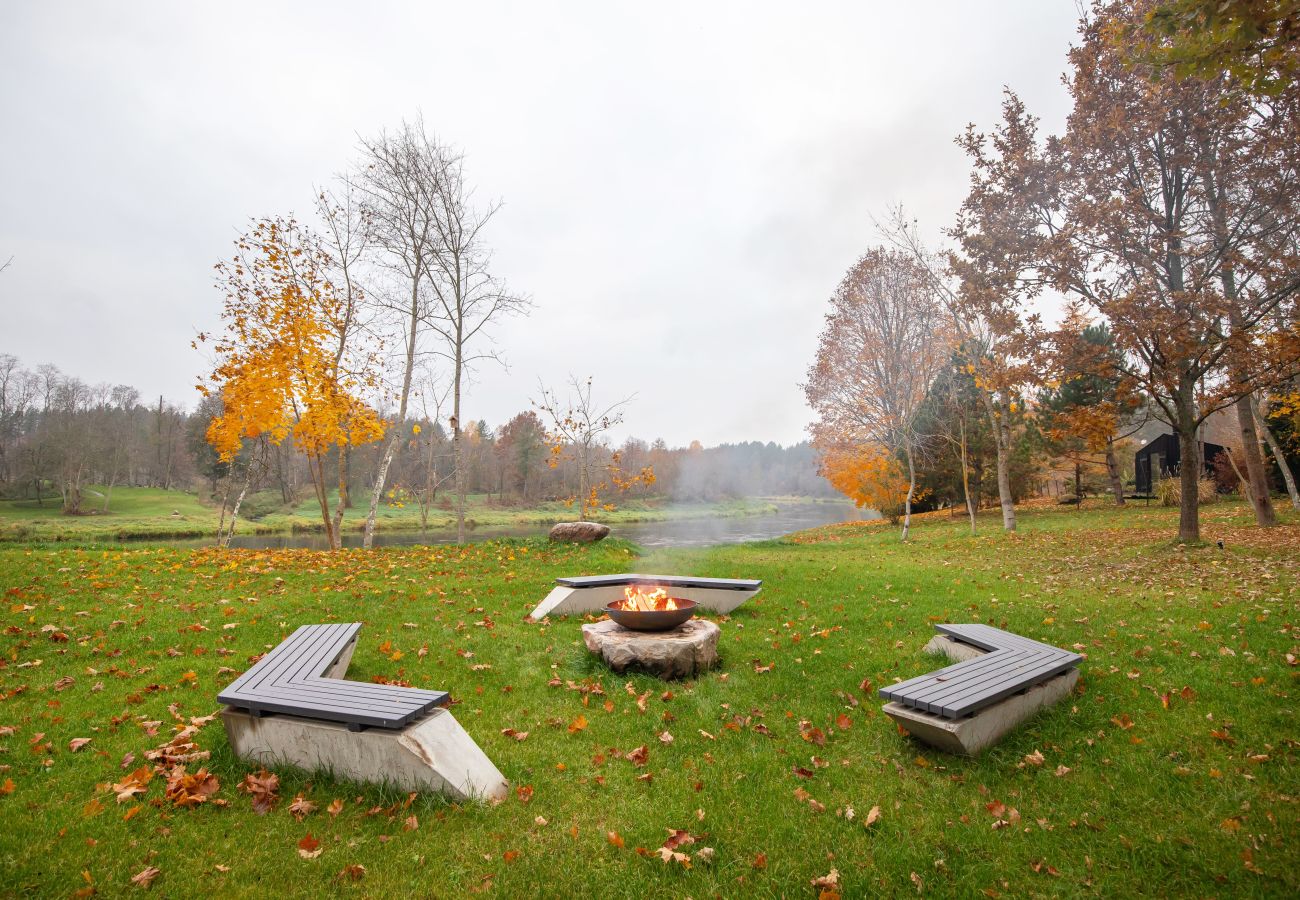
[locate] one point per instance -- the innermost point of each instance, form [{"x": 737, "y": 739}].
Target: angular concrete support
[
  {"x": 942, "y": 645},
  {"x": 568, "y": 601},
  {"x": 972, "y": 735},
  {"x": 433, "y": 754}
]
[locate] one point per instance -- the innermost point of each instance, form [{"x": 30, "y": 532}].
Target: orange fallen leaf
[
  {"x": 578, "y": 724},
  {"x": 309, "y": 847},
  {"x": 614, "y": 838}
]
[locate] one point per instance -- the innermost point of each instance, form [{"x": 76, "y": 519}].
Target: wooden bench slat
[
  {"x": 1008, "y": 671},
  {"x": 280, "y": 655},
  {"x": 955, "y": 670},
  {"x": 722, "y": 584},
  {"x": 305, "y": 644},
  {"x": 290, "y": 680},
  {"x": 965, "y": 704},
  {"x": 1012, "y": 664}
]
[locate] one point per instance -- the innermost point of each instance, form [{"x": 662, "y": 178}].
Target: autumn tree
[
  {"x": 867, "y": 475},
  {"x": 881, "y": 347},
  {"x": 578, "y": 428},
  {"x": 285, "y": 365},
  {"x": 1179, "y": 225},
  {"x": 1255, "y": 41},
  {"x": 1088, "y": 405}
]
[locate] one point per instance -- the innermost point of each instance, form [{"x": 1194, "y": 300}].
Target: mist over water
[{"x": 702, "y": 532}]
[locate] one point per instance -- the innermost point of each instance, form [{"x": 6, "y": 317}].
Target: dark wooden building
[{"x": 1162, "y": 458}]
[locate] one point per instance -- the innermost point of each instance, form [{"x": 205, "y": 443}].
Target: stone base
[
  {"x": 568, "y": 601},
  {"x": 433, "y": 754},
  {"x": 686, "y": 650},
  {"x": 972, "y": 735},
  {"x": 943, "y": 645}
]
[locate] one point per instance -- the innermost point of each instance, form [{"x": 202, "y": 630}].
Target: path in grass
[{"x": 1171, "y": 771}]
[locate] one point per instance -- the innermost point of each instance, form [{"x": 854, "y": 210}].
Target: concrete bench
[
  {"x": 592, "y": 593},
  {"x": 1002, "y": 679},
  {"x": 295, "y": 706}
]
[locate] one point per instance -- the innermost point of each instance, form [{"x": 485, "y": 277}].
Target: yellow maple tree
[{"x": 285, "y": 366}]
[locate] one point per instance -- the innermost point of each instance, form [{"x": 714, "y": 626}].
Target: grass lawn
[
  {"x": 134, "y": 512},
  {"x": 1171, "y": 771}
]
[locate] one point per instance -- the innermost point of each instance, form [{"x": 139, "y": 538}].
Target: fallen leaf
[
  {"x": 301, "y": 807},
  {"x": 309, "y": 847},
  {"x": 145, "y": 878},
  {"x": 77, "y": 743},
  {"x": 873, "y": 816},
  {"x": 524, "y": 792},
  {"x": 578, "y": 724}
]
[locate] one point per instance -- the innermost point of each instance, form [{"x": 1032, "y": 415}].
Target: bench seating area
[
  {"x": 591, "y": 593},
  {"x": 295, "y": 679},
  {"x": 295, "y": 706},
  {"x": 977, "y": 700}
]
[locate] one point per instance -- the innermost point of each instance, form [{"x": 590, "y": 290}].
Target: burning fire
[{"x": 656, "y": 600}]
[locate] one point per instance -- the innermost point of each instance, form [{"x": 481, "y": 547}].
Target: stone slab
[
  {"x": 972, "y": 735},
  {"x": 687, "y": 650},
  {"x": 433, "y": 754},
  {"x": 569, "y": 601}
]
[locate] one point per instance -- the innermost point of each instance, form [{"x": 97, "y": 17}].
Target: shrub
[{"x": 1170, "y": 492}]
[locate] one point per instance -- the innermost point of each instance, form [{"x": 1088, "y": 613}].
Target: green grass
[
  {"x": 1154, "y": 803},
  {"x": 134, "y": 512},
  {"x": 145, "y": 513}
]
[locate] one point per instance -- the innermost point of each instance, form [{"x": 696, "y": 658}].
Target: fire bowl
[{"x": 655, "y": 620}]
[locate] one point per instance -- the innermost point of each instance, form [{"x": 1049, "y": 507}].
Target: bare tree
[
  {"x": 578, "y": 427},
  {"x": 394, "y": 180},
  {"x": 467, "y": 297}
]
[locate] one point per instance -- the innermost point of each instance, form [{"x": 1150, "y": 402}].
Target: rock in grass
[{"x": 579, "y": 532}]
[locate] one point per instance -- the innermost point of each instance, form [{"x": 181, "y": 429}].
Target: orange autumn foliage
[
  {"x": 868, "y": 476},
  {"x": 283, "y": 364}
]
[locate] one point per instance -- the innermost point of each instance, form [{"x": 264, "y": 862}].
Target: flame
[{"x": 655, "y": 600}]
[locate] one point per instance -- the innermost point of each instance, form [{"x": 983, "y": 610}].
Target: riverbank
[
  {"x": 143, "y": 514},
  {"x": 1173, "y": 765}
]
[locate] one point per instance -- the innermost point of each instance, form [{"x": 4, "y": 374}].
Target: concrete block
[
  {"x": 974, "y": 734},
  {"x": 569, "y": 601},
  {"x": 434, "y": 753},
  {"x": 942, "y": 645}
]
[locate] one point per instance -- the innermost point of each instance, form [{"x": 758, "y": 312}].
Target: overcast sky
[{"x": 683, "y": 184}]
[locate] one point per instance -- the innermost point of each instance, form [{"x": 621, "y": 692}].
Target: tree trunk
[
  {"x": 1112, "y": 469},
  {"x": 911, "y": 488},
  {"x": 1280, "y": 458},
  {"x": 224, "y": 541},
  {"x": 965, "y": 480},
  {"x": 1256, "y": 475},
  {"x": 458, "y": 450},
  {"x": 342, "y": 501},
  {"x": 381, "y": 477},
  {"x": 1189, "y": 509},
  {"x": 377, "y": 490},
  {"x": 1002, "y": 442},
  {"x": 221, "y": 523}
]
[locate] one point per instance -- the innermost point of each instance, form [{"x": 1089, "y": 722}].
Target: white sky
[{"x": 684, "y": 183}]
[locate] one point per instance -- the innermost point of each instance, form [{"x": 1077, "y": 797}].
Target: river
[{"x": 697, "y": 532}]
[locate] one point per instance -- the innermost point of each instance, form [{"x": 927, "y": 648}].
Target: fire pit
[{"x": 651, "y": 610}]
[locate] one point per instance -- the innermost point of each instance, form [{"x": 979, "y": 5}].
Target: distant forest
[{"x": 59, "y": 435}]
